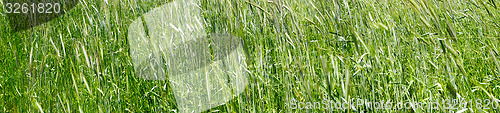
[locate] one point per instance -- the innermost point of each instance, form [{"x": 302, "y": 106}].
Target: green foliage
[{"x": 308, "y": 50}]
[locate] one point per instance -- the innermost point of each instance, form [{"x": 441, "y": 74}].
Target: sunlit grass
[{"x": 308, "y": 50}]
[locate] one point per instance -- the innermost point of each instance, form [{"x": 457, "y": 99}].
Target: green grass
[{"x": 308, "y": 50}]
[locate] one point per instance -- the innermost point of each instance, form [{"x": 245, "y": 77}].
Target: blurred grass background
[{"x": 308, "y": 50}]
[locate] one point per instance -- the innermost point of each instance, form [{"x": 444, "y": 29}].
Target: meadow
[{"x": 303, "y": 50}]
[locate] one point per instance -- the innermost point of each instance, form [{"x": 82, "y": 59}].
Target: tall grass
[{"x": 307, "y": 50}]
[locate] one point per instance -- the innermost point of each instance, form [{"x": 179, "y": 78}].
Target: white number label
[
  {"x": 8, "y": 7},
  {"x": 49, "y": 7},
  {"x": 25, "y": 8},
  {"x": 46, "y": 8},
  {"x": 57, "y": 8},
  {"x": 17, "y": 6}
]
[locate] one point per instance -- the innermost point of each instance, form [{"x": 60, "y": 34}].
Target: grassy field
[{"x": 303, "y": 50}]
